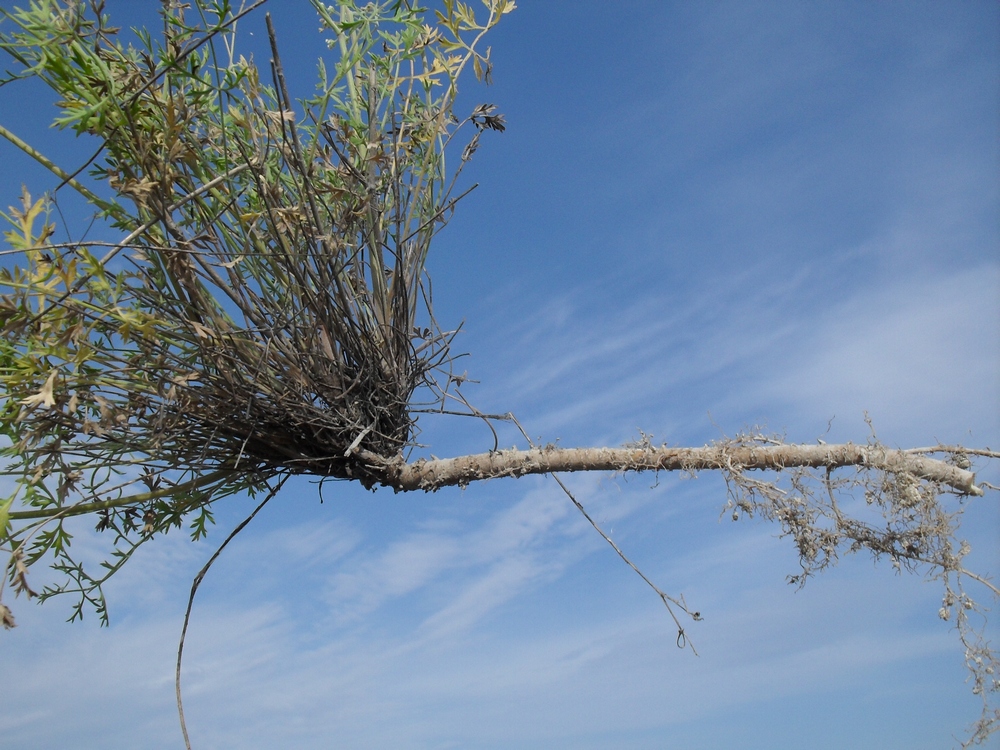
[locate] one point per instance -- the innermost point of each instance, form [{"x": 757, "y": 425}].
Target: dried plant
[{"x": 266, "y": 311}]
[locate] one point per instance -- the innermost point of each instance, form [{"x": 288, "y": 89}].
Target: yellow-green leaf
[
  {"x": 45, "y": 395},
  {"x": 5, "y": 516}
]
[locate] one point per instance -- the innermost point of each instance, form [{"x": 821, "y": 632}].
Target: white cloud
[{"x": 922, "y": 357}]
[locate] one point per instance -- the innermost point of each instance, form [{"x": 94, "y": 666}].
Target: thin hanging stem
[
  {"x": 187, "y": 612},
  {"x": 682, "y": 639}
]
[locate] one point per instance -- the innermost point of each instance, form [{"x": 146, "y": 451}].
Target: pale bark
[{"x": 462, "y": 470}]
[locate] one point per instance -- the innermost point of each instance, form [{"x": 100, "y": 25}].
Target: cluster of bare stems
[{"x": 268, "y": 312}]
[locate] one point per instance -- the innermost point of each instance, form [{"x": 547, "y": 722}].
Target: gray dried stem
[{"x": 729, "y": 456}]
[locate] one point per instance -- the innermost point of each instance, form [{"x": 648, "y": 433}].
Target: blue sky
[{"x": 702, "y": 217}]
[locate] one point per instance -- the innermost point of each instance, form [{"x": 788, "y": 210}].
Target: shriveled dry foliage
[
  {"x": 267, "y": 311},
  {"x": 912, "y": 520}
]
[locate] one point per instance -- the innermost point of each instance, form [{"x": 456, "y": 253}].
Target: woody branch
[{"x": 436, "y": 473}]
